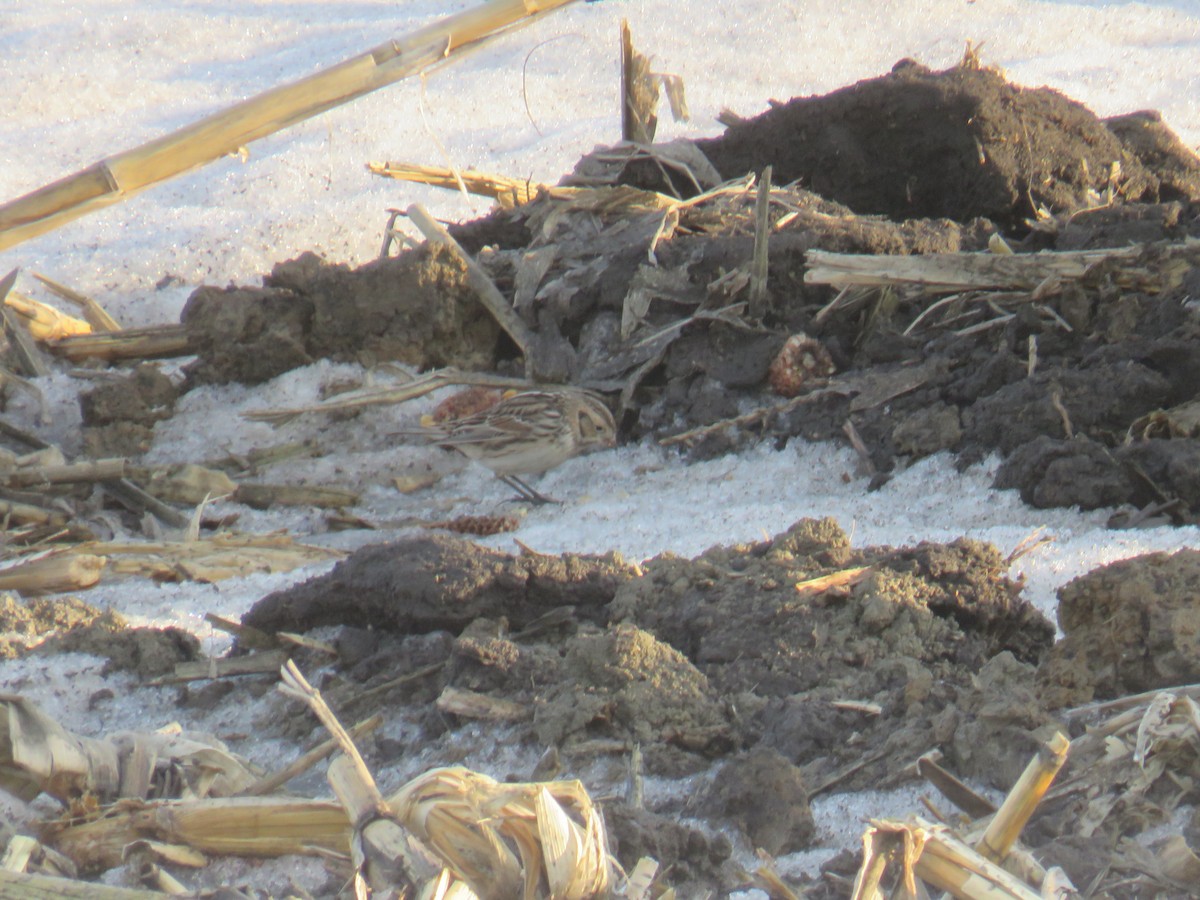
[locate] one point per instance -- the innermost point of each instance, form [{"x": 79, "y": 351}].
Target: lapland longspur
[{"x": 528, "y": 434}]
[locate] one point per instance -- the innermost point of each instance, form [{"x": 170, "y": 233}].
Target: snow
[{"x": 87, "y": 79}]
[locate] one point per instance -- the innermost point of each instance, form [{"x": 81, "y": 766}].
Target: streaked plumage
[{"x": 529, "y": 433}]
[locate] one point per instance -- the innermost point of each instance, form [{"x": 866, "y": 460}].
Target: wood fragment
[
  {"x": 866, "y": 464},
  {"x": 473, "y": 705},
  {"x": 970, "y": 802},
  {"x": 641, "y": 879},
  {"x": 248, "y": 638},
  {"x": 22, "y": 886},
  {"x": 53, "y": 574},
  {"x": 176, "y": 854},
  {"x": 95, "y": 314},
  {"x": 16, "y": 513},
  {"x": 489, "y": 295},
  {"x": 959, "y": 271},
  {"x": 862, "y": 706},
  {"x": 948, "y": 864},
  {"x": 43, "y": 321},
  {"x": 762, "y": 238},
  {"x": 729, "y": 118},
  {"x": 28, "y": 438},
  {"x": 1023, "y": 799},
  {"x": 226, "y": 667},
  {"x": 189, "y": 483},
  {"x": 508, "y": 192},
  {"x": 1103, "y": 706},
  {"x": 294, "y": 685},
  {"x": 360, "y": 696},
  {"x": 25, "y": 350},
  {"x": 18, "y": 852},
  {"x": 304, "y": 642},
  {"x": 1028, "y": 544},
  {"x": 231, "y": 826},
  {"x": 635, "y": 785},
  {"x": 385, "y": 856},
  {"x": 150, "y": 342},
  {"x": 271, "y": 783},
  {"x": 87, "y": 471},
  {"x": 874, "y": 388},
  {"x": 138, "y": 500},
  {"x": 1057, "y": 403},
  {"x": 145, "y": 870},
  {"x": 767, "y": 879},
  {"x": 639, "y": 93},
  {"x": 263, "y": 496},
  {"x": 843, "y": 578},
  {"x": 387, "y": 394},
  {"x": 847, "y": 771},
  {"x": 208, "y": 559}
]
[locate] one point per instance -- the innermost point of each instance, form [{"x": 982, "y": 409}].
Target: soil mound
[
  {"x": 957, "y": 144},
  {"x": 1081, "y": 371}
]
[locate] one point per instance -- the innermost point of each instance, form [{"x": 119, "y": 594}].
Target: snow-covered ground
[{"x": 82, "y": 80}]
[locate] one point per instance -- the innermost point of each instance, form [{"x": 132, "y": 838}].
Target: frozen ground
[{"x": 86, "y": 79}]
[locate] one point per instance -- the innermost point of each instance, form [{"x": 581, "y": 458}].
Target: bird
[{"x": 527, "y": 434}]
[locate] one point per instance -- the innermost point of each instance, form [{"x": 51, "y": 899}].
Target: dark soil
[
  {"x": 70, "y": 625},
  {"x": 734, "y": 663},
  {"x": 1129, "y": 627},
  {"x": 119, "y": 415},
  {"x": 958, "y": 144},
  {"x": 728, "y": 667},
  {"x": 416, "y": 308},
  {"x": 913, "y": 162}
]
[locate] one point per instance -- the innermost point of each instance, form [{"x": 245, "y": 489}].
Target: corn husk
[{"x": 543, "y": 840}]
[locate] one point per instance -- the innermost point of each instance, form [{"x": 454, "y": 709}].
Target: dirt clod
[
  {"x": 432, "y": 582},
  {"x": 416, "y": 309},
  {"x": 1128, "y": 627},
  {"x": 765, "y": 795},
  {"x": 957, "y": 144}
]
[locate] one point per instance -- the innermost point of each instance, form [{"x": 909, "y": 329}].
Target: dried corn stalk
[
  {"x": 237, "y": 826},
  {"x": 45, "y": 322},
  {"x": 508, "y": 192},
  {"x": 541, "y": 840},
  {"x": 37, "y": 754},
  {"x": 936, "y": 856},
  {"x": 124, "y": 174},
  {"x": 209, "y": 560}
]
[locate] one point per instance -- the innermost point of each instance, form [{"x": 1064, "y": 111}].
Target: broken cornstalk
[
  {"x": 124, "y": 174},
  {"x": 992, "y": 271}
]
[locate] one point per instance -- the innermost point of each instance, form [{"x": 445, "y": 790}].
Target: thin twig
[
  {"x": 296, "y": 686},
  {"x": 859, "y": 446},
  {"x": 306, "y": 761},
  {"x": 762, "y": 237},
  {"x": 1028, "y": 544},
  {"x": 1056, "y": 402},
  {"x": 753, "y": 417},
  {"x": 494, "y": 301}
]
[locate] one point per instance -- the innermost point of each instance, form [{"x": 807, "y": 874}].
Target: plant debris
[{"x": 1033, "y": 300}]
